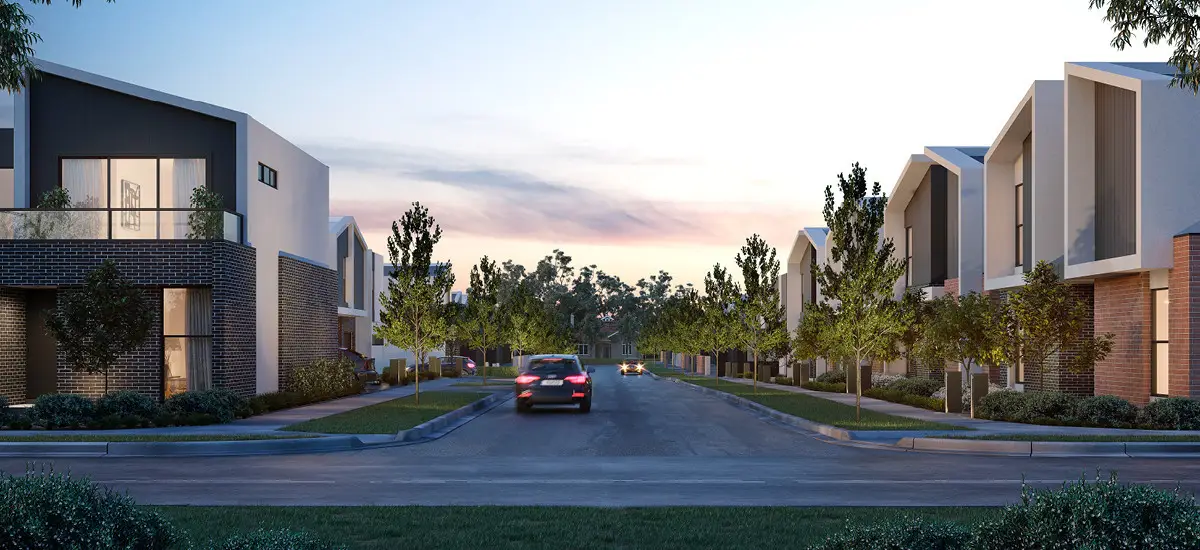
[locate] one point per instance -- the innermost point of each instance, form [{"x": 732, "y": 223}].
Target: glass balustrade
[{"x": 135, "y": 223}]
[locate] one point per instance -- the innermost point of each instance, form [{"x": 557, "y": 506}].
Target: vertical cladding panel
[
  {"x": 308, "y": 320},
  {"x": 1027, "y": 202},
  {"x": 1116, "y": 172},
  {"x": 152, "y": 265},
  {"x": 938, "y": 241},
  {"x": 12, "y": 344},
  {"x": 953, "y": 190},
  {"x": 1122, "y": 308}
]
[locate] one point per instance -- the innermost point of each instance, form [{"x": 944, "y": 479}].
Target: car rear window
[{"x": 552, "y": 366}]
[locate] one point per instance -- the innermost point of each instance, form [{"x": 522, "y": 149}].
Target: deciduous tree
[
  {"x": 1175, "y": 21},
  {"x": 718, "y": 331},
  {"x": 760, "y": 315},
  {"x": 17, "y": 42},
  {"x": 968, "y": 330}
]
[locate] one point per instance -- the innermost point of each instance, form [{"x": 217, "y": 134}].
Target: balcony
[{"x": 122, "y": 224}]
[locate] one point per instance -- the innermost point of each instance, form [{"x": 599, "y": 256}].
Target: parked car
[
  {"x": 468, "y": 363},
  {"x": 554, "y": 380},
  {"x": 364, "y": 367}
]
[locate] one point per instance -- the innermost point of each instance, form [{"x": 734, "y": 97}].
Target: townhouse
[
  {"x": 798, "y": 288},
  {"x": 360, "y": 282},
  {"x": 242, "y": 294}
]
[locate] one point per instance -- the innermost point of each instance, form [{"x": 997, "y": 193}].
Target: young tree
[
  {"x": 98, "y": 323},
  {"x": 1043, "y": 319},
  {"x": 483, "y": 319},
  {"x": 813, "y": 338},
  {"x": 862, "y": 273},
  {"x": 16, "y": 64},
  {"x": 531, "y": 324},
  {"x": 1176, "y": 21},
  {"x": 684, "y": 319},
  {"x": 968, "y": 330},
  {"x": 718, "y": 330},
  {"x": 412, "y": 311},
  {"x": 760, "y": 315},
  {"x": 918, "y": 311}
]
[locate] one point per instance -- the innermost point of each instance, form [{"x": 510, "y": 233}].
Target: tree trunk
[
  {"x": 483, "y": 351},
  {"x": 106, "y": 381},
  {"x": 858, "y": 392},
  {"x": 755, "y": 370}
]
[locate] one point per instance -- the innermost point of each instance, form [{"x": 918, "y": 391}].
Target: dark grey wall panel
[
  {"x": 74, "y": 119},
  {"x": 41, "y": 365},
  {"x": 951, "y": 225},
  {"x": 1027, "y": 191},
  {"x": 917, "y": 216},
  {"x": 360, "y": 274},
  {"x": 6, "y": 147},
  {"x": 343, "y": 251},
  {"x": 1116, "y": 175},
  {"x": 938, "y": 241}
]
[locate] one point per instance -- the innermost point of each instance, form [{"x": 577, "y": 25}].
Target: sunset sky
[{"x": 635, "y": 135}]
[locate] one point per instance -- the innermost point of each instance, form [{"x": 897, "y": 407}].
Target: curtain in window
[
  {"x": 87, "y": 182},
  {"x": 182, "y": 176},
  {"x": 199, "y": 350}
]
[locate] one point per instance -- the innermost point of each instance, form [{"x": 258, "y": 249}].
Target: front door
[{"x": 41, "y": 350}]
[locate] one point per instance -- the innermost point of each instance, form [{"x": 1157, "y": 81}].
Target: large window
[
  {"x": 627, "y": 349},
  {"x": 1020, "y": 236},
  {"x": 132, "y": 188},
  {"x": 1160, "y": 331},
  {"x": 187, "y": 340},
  {"x": 581, "y": 349},
  {"x": 908, "y": 256}
]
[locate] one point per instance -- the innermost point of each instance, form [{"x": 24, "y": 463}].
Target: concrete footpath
[
  {"x": 270, "y": 424},
  {"x": 936, "y": 440}
]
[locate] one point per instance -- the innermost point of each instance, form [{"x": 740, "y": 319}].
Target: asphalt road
[{"x": 645, "y": 443}]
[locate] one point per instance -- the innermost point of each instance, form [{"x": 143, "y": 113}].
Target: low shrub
[
  {"x": 59, "y": 511},
  {"x": 924, "y": 387},
  {"x": 119, "y": 421},
  {"x": 1001, "y": 405},
  {"x": 832, "y": 377},
  {"x": 275, "y": 401},
  {"x": 784, "y": 380},
  {"x": 900, "y": 534},
  {"x": 502, "y": 372},
  {"x": 63, "y": 410},
  {"x": 1103, "y": 514},
  {"x": 3, "y": 404},
  {"x": 430, "y": 375},
  {"x": 126, "y": 403},
  {"x": 824, "y": 386},
  {"x": 1106, "y": 411},
  {"x": 1172, "y": 413},
  {"x": 881, "y": 380},
  {"x": 389, "y": 375},
  {"x": 326, "y": 379},
  {"x": 276, "y": 539},
  {"x": 896, "y": 396},
  {"x": 1047, "y": 408},
  {"x": 450, "y": 372},
  {"x": 191, "y": 406}
]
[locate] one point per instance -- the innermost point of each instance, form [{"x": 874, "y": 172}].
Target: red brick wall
[
  {"x": 951, "y": 287},
  {"x": 1184, "y": 293},
  {"x": 1122, "y": 308}
]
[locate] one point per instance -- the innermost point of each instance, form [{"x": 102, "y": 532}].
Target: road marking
[{"x": 556, "y": 481}]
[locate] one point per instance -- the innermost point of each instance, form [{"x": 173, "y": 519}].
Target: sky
[{"x": 634, "y": 135}]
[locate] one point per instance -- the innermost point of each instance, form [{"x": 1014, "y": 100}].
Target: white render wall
[
  {"x": 1168, "y": 138},
  {"x": 1040, "y": 112},
  {"x": 291, "y": 220},
  {"x": 970, "y": 174},
  {"x": 8, "y": 195}
]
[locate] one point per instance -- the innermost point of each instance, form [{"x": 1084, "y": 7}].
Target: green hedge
[
  {"x": 784, "y": 381},
  {"x": 832, "y": 377},
  {"x": 824, "y": 386},
  {"x": 896, "y": 396},
  {"x": 326, "y": 379},
  {"x": 1104, "y": 411}
]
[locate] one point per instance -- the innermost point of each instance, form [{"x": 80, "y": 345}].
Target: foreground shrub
[
  {"x": 63, "y": 410},
  {"x": 326, "y": 379},
  {"x": 1047, "y": 408},
  {"x": 502, "y": 372},
  {"x": 825, "y": 387},
  {"x": 189, "y": 407},
  {"x": 881, "y": 380},
  {"x": 909, "y": 399},
  {"x": 1104, "y": 514},
  {"x": 1172, "y": 413},
  {"x": 924, "y": 387},
  {"x": 1106, "y": 411},
  {"x": 50, "y": 510},
  {"x": 275, "y": 401},
  {"x": 906, "y": 533},
  {"x": 784, "y": 380},
  {"x": 127, "y": 403},
  {"x": 832, "y": 377},
  {"x": 1001, "y": 405},
  {"x": 277, "y": 539}
]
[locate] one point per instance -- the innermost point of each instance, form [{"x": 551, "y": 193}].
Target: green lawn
[
  {"x": 1082, "y": 438},
  {"x": 498, "y": 372},
  {"x": 147, "y": 437},
  {"x": 499, "y": 527},
  {"x": 392, "y": 416},
  {"x": 817, "y": 409}
]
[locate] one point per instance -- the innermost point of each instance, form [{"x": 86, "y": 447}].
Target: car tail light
[
  {"x": 578, "y": 394},
  {"x": 577, "y": 379},
  {"x": 527, "y": 378}
]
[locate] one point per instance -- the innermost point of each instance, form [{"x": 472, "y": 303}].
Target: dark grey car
[{"x": 554, "y": 380}]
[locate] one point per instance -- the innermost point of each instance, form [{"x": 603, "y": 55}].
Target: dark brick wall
[
  {"x": 308, "y": 320},
  {"x": 228, "y": 268},
  {"x": 12, "y": 345}
]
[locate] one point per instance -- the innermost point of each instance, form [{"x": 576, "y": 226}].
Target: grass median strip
[
  {"x": 377, "y": 527},
  {"x": 1081, "y": 438},
  {"x": 392, "y": 416},
  {"x": 124, "y": 438},
  {"x": 480, "y": 384},
  {"x": 817, "y": 409}
]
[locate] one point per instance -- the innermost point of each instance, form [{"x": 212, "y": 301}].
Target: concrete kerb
[
  {"x": 970, "y": 446},
  {"x": 330, "y": 443}
]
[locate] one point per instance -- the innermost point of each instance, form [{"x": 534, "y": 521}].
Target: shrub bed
[
  {"x": 1078, "y": 515},
  {"x": 784, "y": 381},
  {"x": 1102, "y": 411},
  {"x": 326, "y": 379},
  {"x": 832, "y": 377},
  {"x": 904, "y": 398},
  {"x": 924, "y": 387},
  {"x": 832, "y": 387}
]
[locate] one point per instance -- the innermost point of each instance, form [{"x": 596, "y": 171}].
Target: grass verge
[
  {"x": 819, "y": 410},
  {"x": 1082, "y": 438},
  {"x": 375, "y": 527},
  {"x": 121, "y": 438},
  {"x": 480, "y": 384},
  {"x": 392, "y": 416}
]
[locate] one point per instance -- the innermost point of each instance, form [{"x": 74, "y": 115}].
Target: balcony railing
[{"x": 120, "y": 223}]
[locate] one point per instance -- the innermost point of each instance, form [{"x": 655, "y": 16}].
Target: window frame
[
  {"x": 582, "y": 349},
  {"x": 1154, "y": 342},
  {"x": 267, "y": 173},
  {"x": 108, "y": 207},
  {"x": 1019, "y": 204},
  {"x": 163, "y": 336},
  {"x": 627, "y": 350},
  {"x": 908, "y": 256}
]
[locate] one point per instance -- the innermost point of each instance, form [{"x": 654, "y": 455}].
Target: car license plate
[{"x": 552, "y": 382}]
